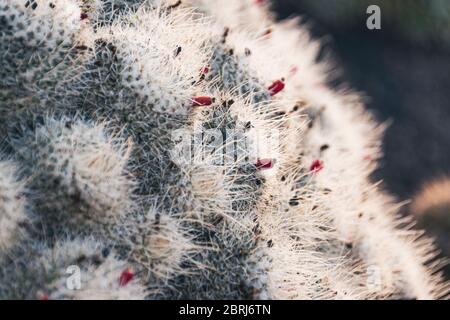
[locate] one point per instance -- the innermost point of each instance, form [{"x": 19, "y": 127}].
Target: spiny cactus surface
[{"x": 189, "y": 149}]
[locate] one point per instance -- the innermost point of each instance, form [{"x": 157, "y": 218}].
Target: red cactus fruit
[
  {"x": 202, "y": 101},
  {"x": 276, "y": 87},
  {"x": 264, "y": 164},
  {"x": 316, "y": 166},
  {"x": 204, "y": 70},
  {"x": 126, "y": 276}
]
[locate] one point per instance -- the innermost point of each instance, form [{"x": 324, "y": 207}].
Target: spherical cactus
[
  {"x": 12, "y": 205},
  {"x": 78, "y": 170}
]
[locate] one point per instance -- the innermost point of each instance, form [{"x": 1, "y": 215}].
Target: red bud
[
  {"x": 276, "y": 87},
  {"x": 316, "y": 166},
  {"x": 202, "y": 101},
  {"x": 263, "y": 164},
  {"x": 83, "y": 16},
  {"x": 126, "y": 276},
  {"x": 204, "y": 70}
]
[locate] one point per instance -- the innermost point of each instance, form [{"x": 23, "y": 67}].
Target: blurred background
[{"x": 404, "y": 70}]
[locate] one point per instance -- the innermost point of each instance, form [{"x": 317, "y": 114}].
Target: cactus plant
[{"x": 195, "y": 144}]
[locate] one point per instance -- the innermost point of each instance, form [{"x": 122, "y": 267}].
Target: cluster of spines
[
  {"x": 38, "y": 39},
  {"x": 12, "y": 205},
  {"x": 77, "y": 170},
  {"x": 36, "y": 271}
]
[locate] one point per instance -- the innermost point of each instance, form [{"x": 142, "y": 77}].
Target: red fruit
[
  {"x": 204, "y": 70},
  {"x": 316, "y": 166},
  {"x": 264, "y": 164},
  {"x": 83, "y": 16},
  {"x": 276, "y": 87},
  {"x": 126, "y": 276},
  {"x": 202, "y": 101}
]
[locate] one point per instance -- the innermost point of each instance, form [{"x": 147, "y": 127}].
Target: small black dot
[
  {"x": 105, "y": 252},
  {"x": 177, "y": 51}
]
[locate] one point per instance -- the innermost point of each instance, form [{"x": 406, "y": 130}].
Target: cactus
[
  {"x": 77, "y": 172},
  {"x": 197, "y": 145}
]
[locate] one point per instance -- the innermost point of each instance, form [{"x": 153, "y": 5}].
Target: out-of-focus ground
[{"x": 404, "y": 69}]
